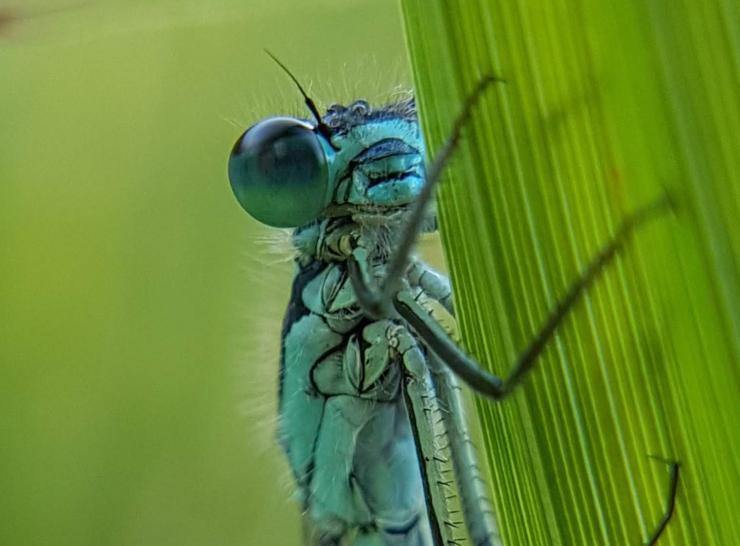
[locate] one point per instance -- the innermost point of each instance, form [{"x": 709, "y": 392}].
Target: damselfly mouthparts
[{"x": 370, "y": 413}]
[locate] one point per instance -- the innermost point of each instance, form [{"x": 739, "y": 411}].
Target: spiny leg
[
  {"x": 377, "y": 302},
  {"x": 428, "y": 329},
  {"x": 467, "y": 368},
  {"x": 480, "y": 519},
  {"x": 425, "y": 416}
]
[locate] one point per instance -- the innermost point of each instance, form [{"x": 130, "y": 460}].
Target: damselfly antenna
[{"x": 321, "y": 127}]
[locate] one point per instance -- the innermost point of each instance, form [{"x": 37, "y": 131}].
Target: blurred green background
[{"x": 140, "y": 307}]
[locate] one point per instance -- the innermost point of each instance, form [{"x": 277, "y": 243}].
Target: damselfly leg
[
  {"x": 470, "y": 371},
  {"x": 389, "y": 294},
  {"x": 377, "y": 302},
  {"x": 673, "y": 469}
]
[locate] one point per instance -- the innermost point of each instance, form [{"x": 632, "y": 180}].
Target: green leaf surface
[{"x": 606, "y": 106}]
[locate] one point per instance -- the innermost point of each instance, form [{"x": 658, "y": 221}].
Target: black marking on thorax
[
  {"x": 296, "y": 310},
  {"x": 386, "y": 147}
]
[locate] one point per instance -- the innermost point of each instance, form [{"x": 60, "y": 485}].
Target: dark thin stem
[{"x": 670, "y": 508}]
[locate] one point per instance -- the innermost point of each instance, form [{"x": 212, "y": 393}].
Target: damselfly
[{"x": 371, "y": 418}]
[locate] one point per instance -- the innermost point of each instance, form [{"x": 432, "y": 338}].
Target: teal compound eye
[{"x": 279, "y": 172}]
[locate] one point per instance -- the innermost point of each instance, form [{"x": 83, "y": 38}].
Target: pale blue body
[{"x": 343, "y": 422}]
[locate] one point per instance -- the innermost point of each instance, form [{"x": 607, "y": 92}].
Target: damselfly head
[{"x": 286, "y": 172}]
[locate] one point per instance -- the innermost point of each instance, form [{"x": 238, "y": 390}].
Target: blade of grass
[{"x": 606, "y": 107}]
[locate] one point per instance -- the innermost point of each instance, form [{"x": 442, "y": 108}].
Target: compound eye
[{"x": 279, "y": 172}]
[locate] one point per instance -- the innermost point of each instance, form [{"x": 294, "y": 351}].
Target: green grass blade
[{"x": 605, "y": 107}]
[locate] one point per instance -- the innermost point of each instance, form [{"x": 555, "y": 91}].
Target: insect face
[
  {"x": 287, "y": 173},
  {"x": 380, "y": 164}
]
